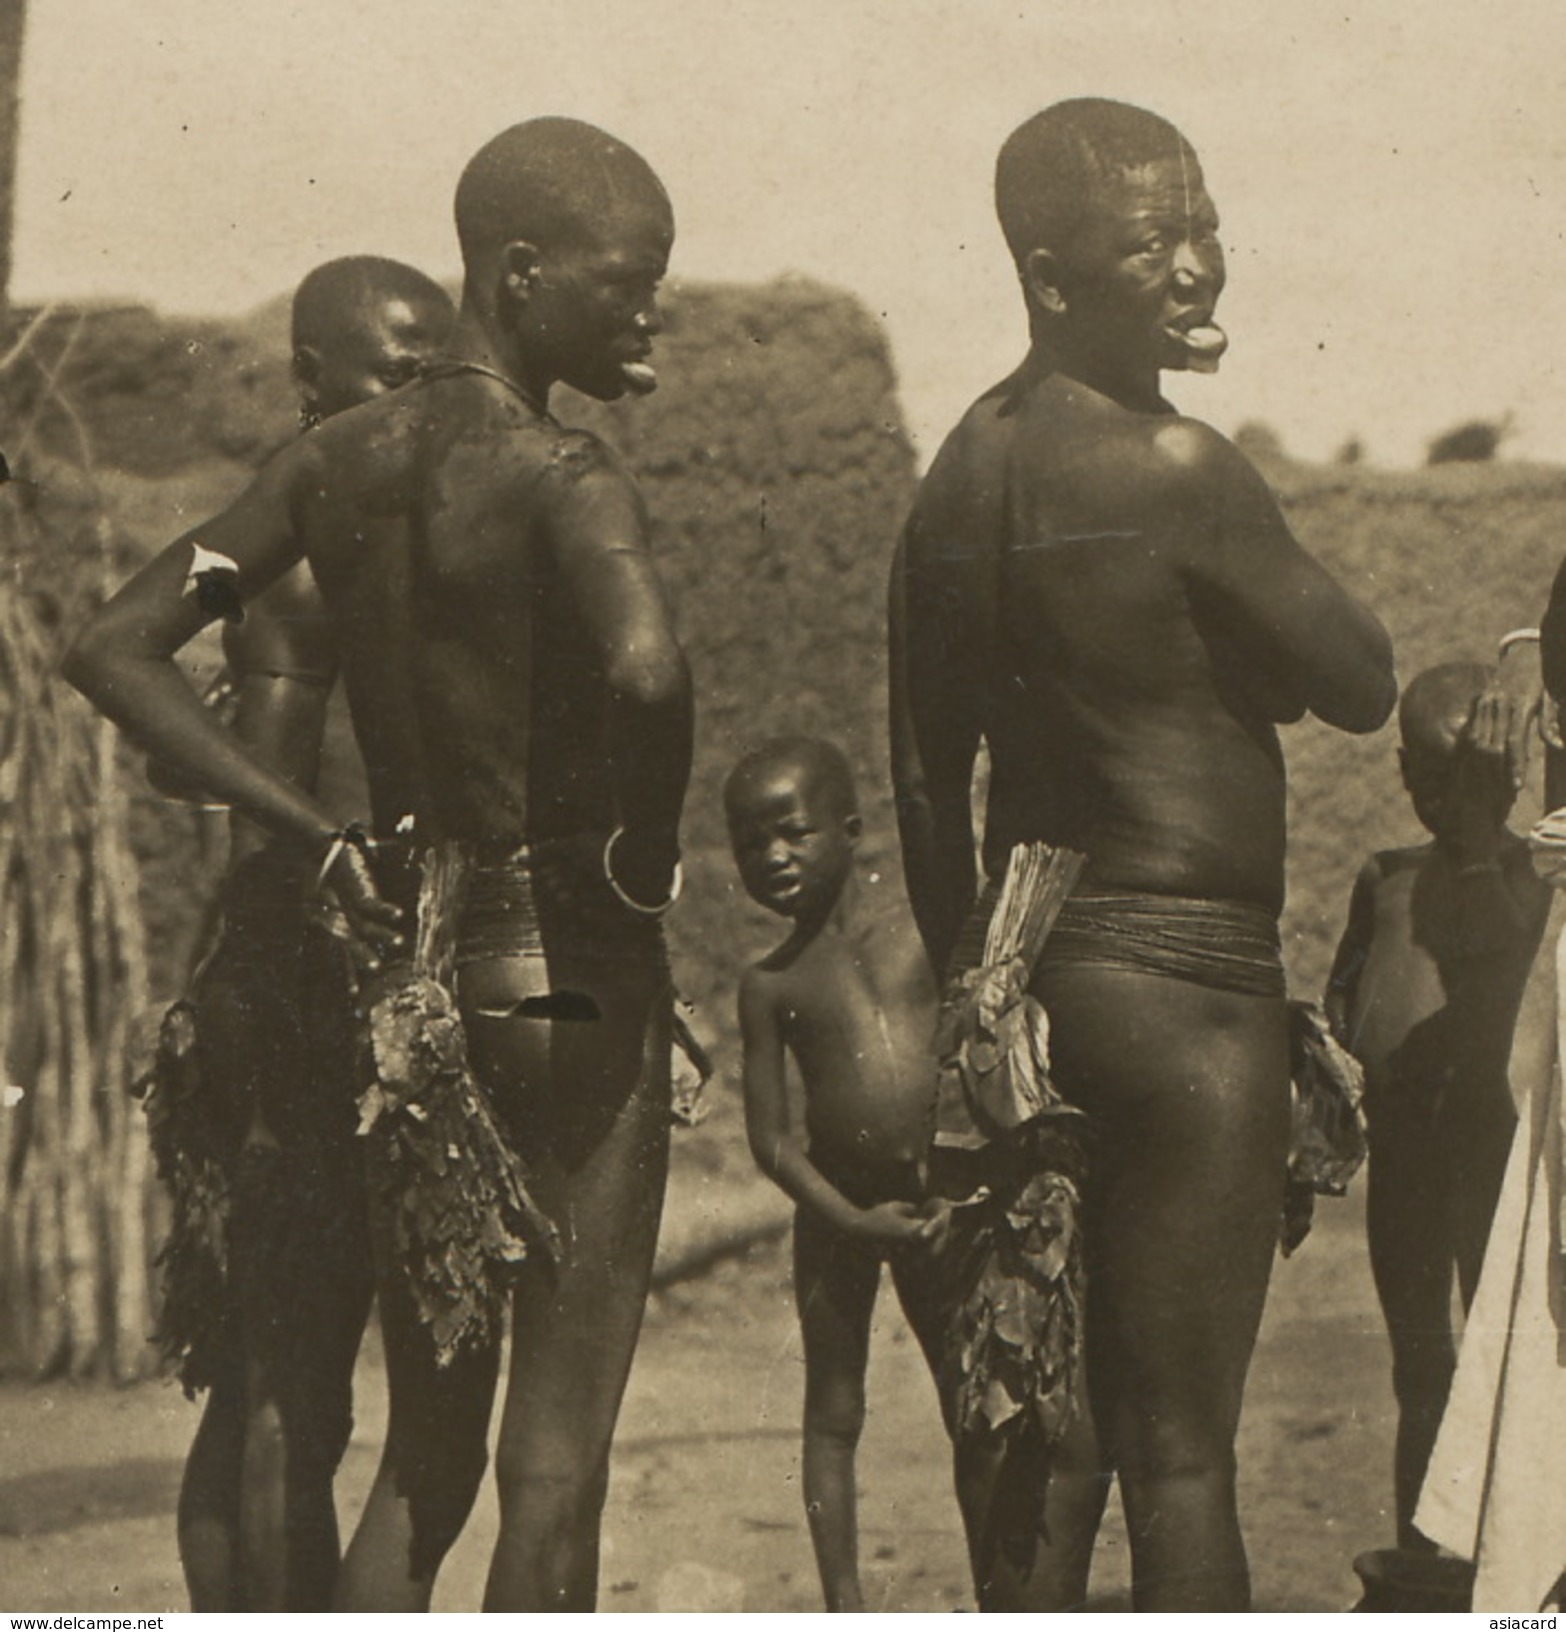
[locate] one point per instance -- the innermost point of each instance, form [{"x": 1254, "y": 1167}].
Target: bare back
[
  {"x": 476, "y": 692},
  {"x": 1114, "y": 586}
]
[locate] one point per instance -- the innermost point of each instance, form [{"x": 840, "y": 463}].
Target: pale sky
[{"x": 1392, "y": 176}]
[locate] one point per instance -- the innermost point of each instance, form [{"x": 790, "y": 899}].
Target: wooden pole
[{"x": 13, "y": 17}]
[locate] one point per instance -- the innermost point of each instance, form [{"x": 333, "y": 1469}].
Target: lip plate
[{"x": 1193, "y": 317}]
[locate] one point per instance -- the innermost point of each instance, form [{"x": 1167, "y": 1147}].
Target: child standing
[
  {"x": 1424, "y": 991},
  {"x": 851, "y": 996}
]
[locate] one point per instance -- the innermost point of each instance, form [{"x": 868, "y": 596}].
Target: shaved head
[
  {"x": 1437, "y": 703},
  {"x": 1049, "y": 167},
  {"x": 819, "y": 767},
  {"x": 333, "y": 297},
  {"x": 549, "y": 182}
]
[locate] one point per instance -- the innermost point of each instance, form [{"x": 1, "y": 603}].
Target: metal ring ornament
[
  {"x": 1516, "y": 637},
  {"x": 676, "y": 885}
]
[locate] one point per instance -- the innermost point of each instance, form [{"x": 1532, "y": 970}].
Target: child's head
[
  {"x": 794, "y": 823},
  {"x": 1433, "y": 718}
]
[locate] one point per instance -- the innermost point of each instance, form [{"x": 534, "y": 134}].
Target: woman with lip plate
[
  {"x": 524, "y": 711},
  {"x": 1104, "y": 592}
]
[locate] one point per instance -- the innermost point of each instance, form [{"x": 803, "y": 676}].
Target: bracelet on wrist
[
  {"x": 1516, "y": 637},
  {"x": 675, "y": 886},
  {"x": 353, "y": 835}
]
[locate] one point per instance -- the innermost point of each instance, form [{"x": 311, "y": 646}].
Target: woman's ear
[
  {"x": 307, "y": 381},
  {"x": 1043, "y": 280},
  {"x": 519, "y": 264}
]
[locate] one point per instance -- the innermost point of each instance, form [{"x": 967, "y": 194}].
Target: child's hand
[
  {"x": 892, "y": 1224},
  {"x": 1513, "y": 702},
  {"x": 1481, "y": 792},
  {"x": 937, "y": 1216},
  {"x": 1550, "y": 723}
]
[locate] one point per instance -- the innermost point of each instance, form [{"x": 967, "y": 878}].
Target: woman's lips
[
  {"x": 641, "y": 377},
  {"x": 1203, "y": 343}
]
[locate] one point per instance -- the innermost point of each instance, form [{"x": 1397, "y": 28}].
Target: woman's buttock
[
  {"x": 1121, "y": 1042},
  {"x": 1187, "y": 1095},
  {"x": 561, "y": 1045},
  {"x": 1150, "y": 995}
]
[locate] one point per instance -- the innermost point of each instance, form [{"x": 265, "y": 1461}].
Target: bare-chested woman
[
  {"x": 1105, "y": 593},
  {"x": 274, "y": 1017},
  {"x": 516, "y": 686}
]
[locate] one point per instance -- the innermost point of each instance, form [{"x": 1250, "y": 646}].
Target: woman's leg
[
  {"x": 1189, "y": 1091},
  {"x": 586, "y": 1096}
]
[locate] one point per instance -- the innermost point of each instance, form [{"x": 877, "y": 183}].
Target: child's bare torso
[
  {"x": 1434, "y": 1005},
  {"x": 856, "y": 1008}
]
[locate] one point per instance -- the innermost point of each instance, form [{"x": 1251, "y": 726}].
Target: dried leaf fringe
[
  {"x": 1014, "y": 1342},
  {"x": 439, "y": 1168}
]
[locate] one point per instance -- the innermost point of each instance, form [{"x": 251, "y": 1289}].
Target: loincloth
[
  {"x": 267, "y": 1027},
  {"x": 274, "y": 1010},
  {"x": 251, "y": 1276},
  {"x": 1227, "y": 946},
  {"x": 299, "y": 1264},
  {"x": 263, "y": 899}
]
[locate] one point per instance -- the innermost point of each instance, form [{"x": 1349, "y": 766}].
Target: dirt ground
[{"x": 704, "y": 1511}]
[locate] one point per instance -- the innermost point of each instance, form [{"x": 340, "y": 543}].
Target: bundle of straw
[
  {"x": 443, "y": 1177},
  {"x": 992, "y": 1037},
  {"x": 1014, "y": 1341}
]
